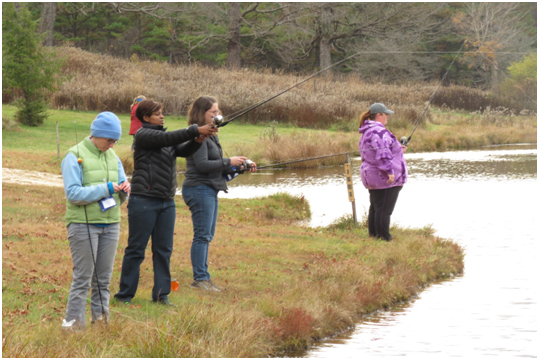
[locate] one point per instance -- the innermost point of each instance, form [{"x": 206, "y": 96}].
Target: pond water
[{"x": 486, "y": 200}]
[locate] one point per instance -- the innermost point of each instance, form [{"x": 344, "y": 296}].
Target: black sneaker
[
  {"x": 164, "y": 301},
  {"x": 122, "y": 300}
]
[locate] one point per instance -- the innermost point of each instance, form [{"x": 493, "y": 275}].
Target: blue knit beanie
[{"x": 106, "y": 125}]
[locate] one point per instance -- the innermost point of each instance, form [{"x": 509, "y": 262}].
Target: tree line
[
  {"x": 381, "y": 42},
  {"x": 394, "y": 41}
]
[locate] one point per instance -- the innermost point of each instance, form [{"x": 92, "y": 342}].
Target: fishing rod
[
  {"x": 404, "y": 141},
  {"x": 89, "y": 236},
  {"x": 219, "y": 120}
]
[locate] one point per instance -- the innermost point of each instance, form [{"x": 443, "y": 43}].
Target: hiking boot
[
  {"x": 164, "y": 301},
  {"x": 204, "y": 285}
]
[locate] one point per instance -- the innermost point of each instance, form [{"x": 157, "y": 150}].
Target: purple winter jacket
[{"x": 382, "y": 155}]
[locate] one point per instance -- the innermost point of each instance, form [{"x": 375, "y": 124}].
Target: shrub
[
  {"x": 9, "y": 124},
  {"x": 521, "y": 85},
  {"x": 25, "y": 64}
]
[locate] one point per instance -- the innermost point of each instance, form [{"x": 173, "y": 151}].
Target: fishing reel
[
  {"x": 217, "y": 120},
  {"x": 236, "y": 170},
  {"x": 404, "y": 140},
  {"x": 246, "y": 166}
]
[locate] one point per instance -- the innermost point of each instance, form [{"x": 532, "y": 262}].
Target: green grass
[
  {"x": 284, "y": 282},
  {"x": 29, "y": 145},
  {"x": 43, "y": 138}
]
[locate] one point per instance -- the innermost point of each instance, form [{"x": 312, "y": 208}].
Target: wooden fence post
[
  {"x": 57, "y": 140},
  {"x": 350, "y": 185}
]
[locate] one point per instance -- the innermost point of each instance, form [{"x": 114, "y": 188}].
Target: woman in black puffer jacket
[{"x": 151, "y": 207}]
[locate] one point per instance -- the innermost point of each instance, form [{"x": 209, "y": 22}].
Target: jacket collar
[
  {"x": 154, "y": 127},
  {"x": 88, "y": 144},
  {"x": 368, "y": 124}
]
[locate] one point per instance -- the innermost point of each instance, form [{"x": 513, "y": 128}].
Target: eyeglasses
[
  {"x": 112, "y": 141},
  {"x": 215, "y": 113}
]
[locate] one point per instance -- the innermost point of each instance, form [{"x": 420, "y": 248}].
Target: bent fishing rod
[
  {"x": 219, "y": 120},
  {"x": 404, "y": 140}
]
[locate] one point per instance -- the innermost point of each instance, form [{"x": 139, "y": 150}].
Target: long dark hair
[{"x": 197, "y": 110}]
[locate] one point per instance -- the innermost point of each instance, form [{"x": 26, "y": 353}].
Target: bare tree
[
  {"x": 234, "y": 41},
  {"x": 203, "y": 23},
  {"x": 259, "y": 21},
  {"x": 46, "y": 23},
  {"x": 495, "y": 35},
  {"x": 338, "y": 29}
]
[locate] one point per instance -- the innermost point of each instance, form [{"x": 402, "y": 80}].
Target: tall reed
[{"x": 101, "y": 82}]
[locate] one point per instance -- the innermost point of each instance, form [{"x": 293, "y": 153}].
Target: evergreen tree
[{"x": 25, "y": 65}]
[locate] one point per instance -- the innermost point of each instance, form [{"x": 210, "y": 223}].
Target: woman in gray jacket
[{"x": 204, "y": 178}]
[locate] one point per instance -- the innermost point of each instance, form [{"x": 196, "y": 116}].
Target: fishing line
[
  {"x": 306, "y": 159},
  {"x": 250, "y": 108},
  {"x": 325, "y": 156},
  {"x": 404, "y": 140},
  {"x": 244, "y": 111},
  {"x": 90, "y": 237}
]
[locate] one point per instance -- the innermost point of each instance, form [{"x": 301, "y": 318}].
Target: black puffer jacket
[{"x": 155, "y": 159}]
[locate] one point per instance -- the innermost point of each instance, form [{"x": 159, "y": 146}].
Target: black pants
[
  {"x": 382, "y": 204},
  {"x": 155, "y": 217}
]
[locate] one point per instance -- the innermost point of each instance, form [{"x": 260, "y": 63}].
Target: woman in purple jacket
[{"x": 383, "y": 170}]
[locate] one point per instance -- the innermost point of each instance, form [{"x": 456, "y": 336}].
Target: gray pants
[{"x": 104, "y": 244}]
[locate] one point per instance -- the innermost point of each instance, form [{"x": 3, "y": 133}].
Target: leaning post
[
  {"x": 350, "y": 185},
  {"x": 57, "y": 140}
]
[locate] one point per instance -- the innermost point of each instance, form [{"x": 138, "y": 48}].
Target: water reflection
[
  {"x": 475, "y": 164},
  {"x": 326, "y": 189}
]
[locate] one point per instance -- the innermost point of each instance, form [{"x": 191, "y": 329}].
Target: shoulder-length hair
[
  {"x": 147, "y": 108},
  {"x": 197, "y": 110}
]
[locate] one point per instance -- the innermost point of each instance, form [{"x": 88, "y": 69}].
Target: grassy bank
[
  {"x": 36, "y": 148},
  {"x": 285, "y": 285}
]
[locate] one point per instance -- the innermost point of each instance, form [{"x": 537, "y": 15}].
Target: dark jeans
[
  {"x": 155, "y": 217},
  {"x": 382, "y": 204},
  {"x": 204, "y": 204}
]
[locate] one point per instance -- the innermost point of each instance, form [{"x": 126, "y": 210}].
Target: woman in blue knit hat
[{"x": 95, "y": 186}]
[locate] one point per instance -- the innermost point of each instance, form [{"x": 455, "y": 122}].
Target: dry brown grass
[
  {"x": 100, "y": 82},
  {"x": 454, "y": 131},
  {"x": 273, "y": 148}
]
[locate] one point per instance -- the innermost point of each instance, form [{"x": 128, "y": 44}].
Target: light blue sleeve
[
  {"x": 121, "y": 172},
  {"x": 75, "y": 192}
]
